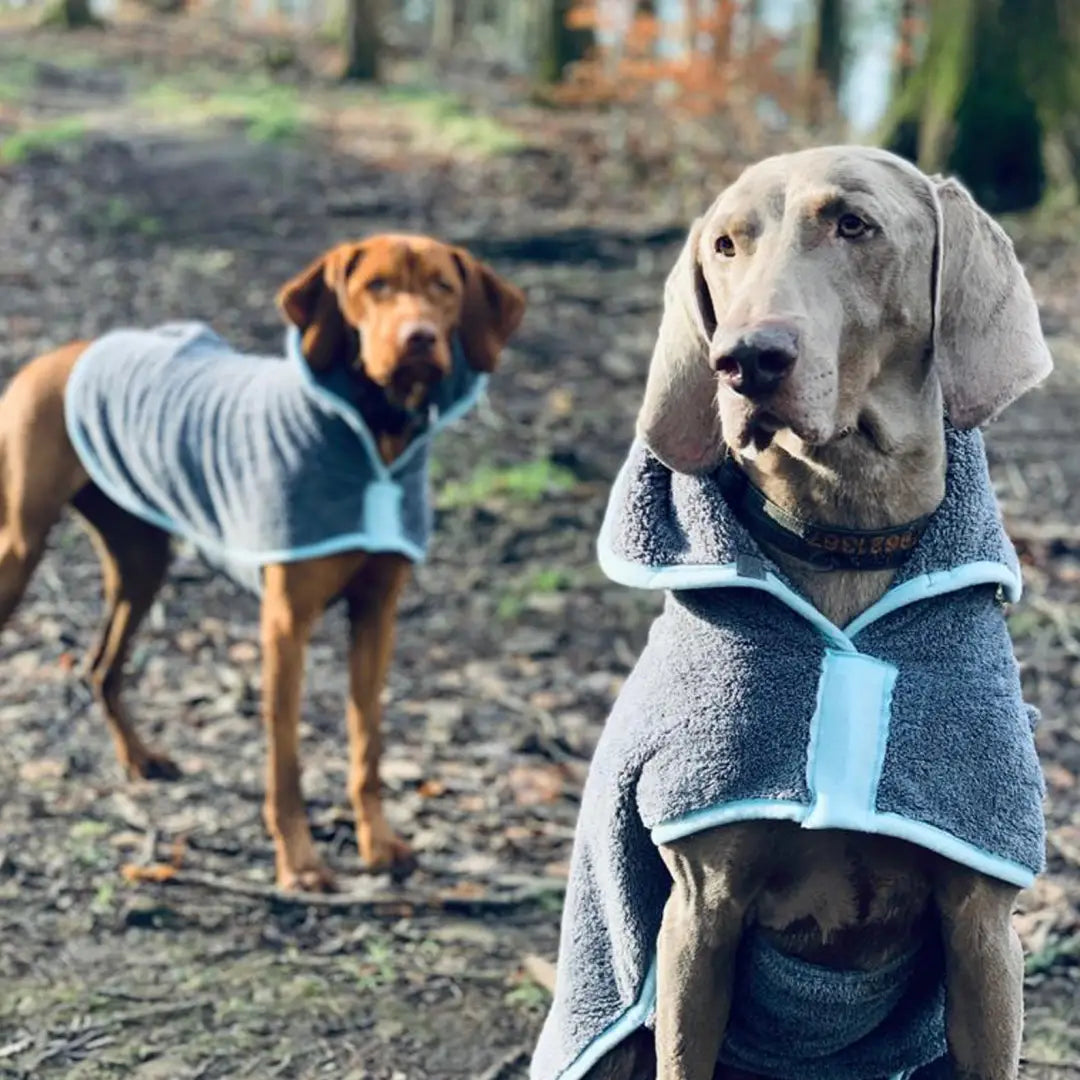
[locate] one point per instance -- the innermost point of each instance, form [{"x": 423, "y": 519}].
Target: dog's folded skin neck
[
  {"x": 888, "y": 469},
  {"x": 393, "y": 425}
]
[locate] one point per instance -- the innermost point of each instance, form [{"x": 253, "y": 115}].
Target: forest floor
[{"x": 160, "y": 170}]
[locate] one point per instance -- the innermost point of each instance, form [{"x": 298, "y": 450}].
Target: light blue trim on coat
[
  {"x": 849, "y": 732},
  {"x": 937, "y": 583},
  {"x": 619, "y": 1029},
  {"x": 351, "y": 415},
  {"x": 384, "y": 496}
]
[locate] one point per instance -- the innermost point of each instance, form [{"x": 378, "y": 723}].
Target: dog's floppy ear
[
  {"x": 491, "y": 311},
  {"x": 679, "y": 419},
  {"x": 989, "y": 347},
  {"x": 312, "y": 301}
]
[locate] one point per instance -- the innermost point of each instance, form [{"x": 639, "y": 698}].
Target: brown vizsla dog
[
  {"x": 826, "y": 311},
  {"x": 385, "y": 313}
]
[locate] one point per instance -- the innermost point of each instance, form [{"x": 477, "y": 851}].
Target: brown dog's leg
[
  {"x": 286, "y": 627},
  {"x": 134, "y": 559},
  {"x": 39, "y": 470},
  {"x": 984, "y": 973},
  {"x": 294, "y": 597},
  {"x": 716, "y": 875},
  {"x": 373, "y": 598}
]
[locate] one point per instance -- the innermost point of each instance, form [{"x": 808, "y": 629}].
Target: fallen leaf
[
  {"x": 466, "y": 890},
  {"x": 432, "y": 789},
  {"x": 540, "y": 970},
  {"x": 1066, "y": 841},
  {"x": 43, "y": 769},
  {"x": 1058, "y": 777},
  {"x": 156, "y": 872},
  {"x": 533, "y": 785}
]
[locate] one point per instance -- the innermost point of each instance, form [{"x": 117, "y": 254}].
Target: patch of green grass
[
  {"x": 1023, "y": 622},
  {"x": 119, "y": 216},
  {"x": 85, "y": 846},
  {"x": 1062, "y": 952},
  {"x": 528, "y": 482},
  {"x": 267, "y": 111},
  {"x": 377, "y": 966},
  {"x": 543, "y": 582},
  {"x": 41, "y": 137},
  {"x": 16, "y": 78},
  {"x": 511, "y": 606},
  {"x": 88, "y": 829},
  {"x": 528, "y": 996},
  {"x": 550, "y": 579},
  {"x": 452, "y": 124}
]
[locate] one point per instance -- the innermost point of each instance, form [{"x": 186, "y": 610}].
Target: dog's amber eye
[
  {"x": 725, "y": 246},
  {"x": 851, "y": 226},
  {"x": 443, "y": 285},
  {"x": 379, "y": 286}
]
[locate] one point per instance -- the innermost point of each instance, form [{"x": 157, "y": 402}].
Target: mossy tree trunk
[
  {"x": 560, "y": 45},
  {"x": 971, "y": 105},
  {"x": 71, "y": 15},
  {"x": 362, "y": 40}
]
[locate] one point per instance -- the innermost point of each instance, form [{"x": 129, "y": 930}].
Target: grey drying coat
[
  {"x": 254, "y": 459},
  {"x": 746, "y": 704}
]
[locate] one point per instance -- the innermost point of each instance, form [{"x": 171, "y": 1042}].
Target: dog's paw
[
  {"x": 383, "y": 850},
  {"x": 314, "y": 878},
  {"x": 151, "y": 765}
]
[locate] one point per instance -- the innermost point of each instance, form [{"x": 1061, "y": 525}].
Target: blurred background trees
[{"x": 986, "y": 89}]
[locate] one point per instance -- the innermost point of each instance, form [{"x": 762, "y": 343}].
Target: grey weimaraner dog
[{"x": 826, "y": 313}]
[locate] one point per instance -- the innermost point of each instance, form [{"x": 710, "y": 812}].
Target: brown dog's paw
[
  {"x": 381, "y": 849},
  {"x": 314, "y": 878},
  {"x": 151, "y": 765}
]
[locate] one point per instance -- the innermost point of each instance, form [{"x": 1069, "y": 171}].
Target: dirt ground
[{"x": 156, "y": 171}]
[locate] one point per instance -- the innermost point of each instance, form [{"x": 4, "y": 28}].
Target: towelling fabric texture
[
  {"x": 747, "y": 703},
  {"x": 253, "y": 459}
]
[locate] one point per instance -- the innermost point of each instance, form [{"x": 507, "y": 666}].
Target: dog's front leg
[
  {"x": 286, "y": 625},
  {"x": 372, "y": 616},
  {"x": 715, "y": 878},
  {"x": 984, "y": 974}
]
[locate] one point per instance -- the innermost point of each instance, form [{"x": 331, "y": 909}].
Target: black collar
[{"x": 822, "y": 547}]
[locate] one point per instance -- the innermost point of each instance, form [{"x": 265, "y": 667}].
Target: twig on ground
[
  {"x": 87, "y": 1038},
  {"x": 1033, "y": 532},
  {"x": 506, "y": 1064},
  {"x": 1057, "y": 614},
  {"x": 390, "y": 903},
  {"x": 540, "y": 970}
]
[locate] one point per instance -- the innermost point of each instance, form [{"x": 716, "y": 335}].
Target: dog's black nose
[
  {"x": 420, "y": 339},
  {"x": 756, "y": 362}
]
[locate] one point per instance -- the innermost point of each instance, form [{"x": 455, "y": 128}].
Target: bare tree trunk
[
  {"x": 691, "y": 26},
  {"x": 560, "y": 45},
  {"x": 753, "y": 24},
  {"x": 447, "y": 21},
  {"x": 824, "y": 58},
  {"x": 722, "y": 30},
  {"x": 362, "y": 40},
  {"x": 516, "y": 23}
]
